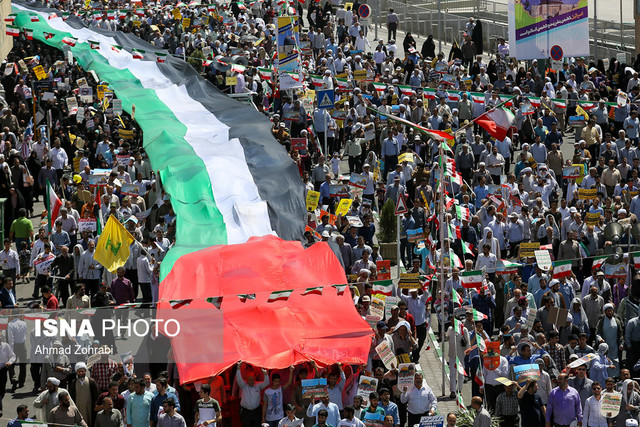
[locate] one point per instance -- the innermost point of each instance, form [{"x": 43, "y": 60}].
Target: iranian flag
[
  {"x": 497, "y": 122},
  {"x": 161, "y": 57},
  {"x": 559, "y": 103},
  {"x": 129, "y": 305},
  {"x": 65, "y": 15},
  {"x": 478, "y": 317},
  {"x": 10, "y": 18},
  {"x": 13, "y": 31},
  {"x": 279, "y": 296},
  {"x": 463, "y": 213},
  {"x": 206, "y": 62},
  {"x": 471, "y": 279},
  {"x": 598, "y": 261},
  {"x": 94, "y": 45},
  {"x": 294, "y": 76},
  {"x": 47, "y": 36},
  {"x": 123, "y": 13},
  {"x": 507, "y": 267},
  {"x": 535, "y": 101},
  {"x": 561, "y": 269},
  {"x": 343, "y": 84},
  {"x": 379, "y": 87},
  {"x": 453, "y": 96},
  {"x": 340, "y": 289},
  {"x": 53, "y": 205},
  {"x": 177, "y": 303},
  {"x": 313, "y": 291},
  {"x": 455, "y": 297},
  {"x": 71, "y": 41},
  {"x": 237, "y": 68},
  {"x": 437, "y": 134},
  {"x": 34, "y": 18},
  {"x": 478, "y": 98},
  {"x": 139, "y": 11},
  {"x": 460, "y": 368},
  {"x": 97, "y": 15},
  {"x": 507, "y": 100},
  {"x": 429, "y": 93},
  {"x": 587, "y": 105},
  {"x": 384, "y": 287},
  {"x": 266, "y": 73},
  {"x": 111, "y": 15},
  {"x": 245, "y": 297},
  {"x": 137, "y": 53},
  {"x": 636, "y": 259},
  {"x": 467, "y": 247},
  {"x": 406, "y": 90},
  {"x": 316, "y": 80},
  {"x": 216, "y": 301},
  {"x": 457, "y": 178},
  {"x": 116, "y": 48},
  {"x": 28, "y": 33}
]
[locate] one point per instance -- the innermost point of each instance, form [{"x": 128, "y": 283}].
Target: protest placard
[
  {"x": 587, "y": 194},
  {"x": 366, "y": 386},
  {"x": 432, "y": 421},
  {"x": 571, "y": 172},
  {"x": 298, "y": 143},
  {"x": 131, "y": 189},
  {"x": 314, "y": 388},
  {"x": 386, "y": 355},
  {"x": 581, "y": 361},
  {"x": 409, "y": 281},
  {"x": 373, "y": 419},
  {"x": 343, "y": 207},
  {"x": 610, "y": 404},
  {"x": 389, "y": 302},
  {"x": 313, "y": 197},
  {"x": 592, "y": 218},
  {"x": 558, "y": 316},
  {"x": 524, "y": 372},
  {"x": 359, "y": 75},
  {"x": 406, "y": 373},
  {"x": 377, "y": 306},
  {"x": 383, "y": 269},
  {"x": 357, "y": 180},
  {"x": 87, "y": 224},
  {"x": 528, "y": 249},
  {"x": 543, "y": 258}
]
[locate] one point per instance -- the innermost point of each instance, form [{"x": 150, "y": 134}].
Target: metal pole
[
  {"x": 621, "y": 28},
  {"x": 595, "y": 27},
  {"x": 440, "y": 41},
  {"x": 326, "y": 130},
  {"x": 375, "y": 18},
  {"x": 398, "y": 237},
  {"x": 441, "y": 278}
]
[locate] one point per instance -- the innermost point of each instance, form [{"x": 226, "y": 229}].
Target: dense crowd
[{"x": 499, "y": 195}]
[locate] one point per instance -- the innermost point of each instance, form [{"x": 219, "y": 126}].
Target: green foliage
[
  {"x": 465, "y": 418},
  {"x": 387, "y": 223}
]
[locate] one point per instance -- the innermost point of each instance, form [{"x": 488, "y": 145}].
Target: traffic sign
[
  {"x": 364, "y": 11},
  {"x": 325, "y": 98},
  {"x": 556, "y": 52},
  {"x": 401, "y": 205}
]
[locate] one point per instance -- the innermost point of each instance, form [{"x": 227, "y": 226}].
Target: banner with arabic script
[{"x": 536, "y": 26}]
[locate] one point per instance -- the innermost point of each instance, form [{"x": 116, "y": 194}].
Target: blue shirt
[
  {"x": 156, "y": 403},
  {"x": 391, "y": 409},
  {"x": 138, "y": 409},
  {"x": 390, "y": 147},
  {"x": 481, "y": 193},
  {"x": 324, "y": 191}
]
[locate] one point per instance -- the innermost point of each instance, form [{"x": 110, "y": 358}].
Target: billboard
[
  {"x": 536, "y": 26},
  {"x": 288, "y": 44}
]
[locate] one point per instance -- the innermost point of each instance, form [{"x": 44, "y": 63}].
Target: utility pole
[
  {"x": 636, "y": 13},
  {"x": 440, "y": 27},
  {"x": 595, "y": 28}
]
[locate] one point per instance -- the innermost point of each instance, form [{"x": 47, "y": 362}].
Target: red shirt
[
  {"x": 52, "y": 303},
  {"x": 409, "y": 318}
]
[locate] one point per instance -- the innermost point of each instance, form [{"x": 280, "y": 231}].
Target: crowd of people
[{"x": 499, "y": 195}]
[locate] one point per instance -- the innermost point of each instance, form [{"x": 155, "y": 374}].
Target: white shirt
[
  {"x": 250, "y": 395},
  {"x": 144, "y": 269},
  {"x": 332, "y": 409},
  {"x": 16, "y": 332},
  {"x": 420, "y": 400},
  {"x": 591, "y": 413},
  {"x": 59, "y": 158},
  {"x": 6, "y": 354},
  {"x": 9, "y": 260}
]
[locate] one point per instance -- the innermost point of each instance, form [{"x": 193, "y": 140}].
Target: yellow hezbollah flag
[
  {"x": 580, "y": 111},
  {"x": 112, "y": 250}
]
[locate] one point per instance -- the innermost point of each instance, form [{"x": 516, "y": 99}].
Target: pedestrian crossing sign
[{"x": 325, "y": 99}]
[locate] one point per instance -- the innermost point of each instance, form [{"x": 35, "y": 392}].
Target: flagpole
[{"x": 441, "y": 278}]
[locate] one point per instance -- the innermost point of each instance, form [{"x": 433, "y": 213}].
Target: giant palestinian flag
[
  {"x": 233, "y": 187},
  {"x": 228, "y": 177}
]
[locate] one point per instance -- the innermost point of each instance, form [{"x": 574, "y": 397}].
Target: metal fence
[{"x": 421, "y": 18}]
